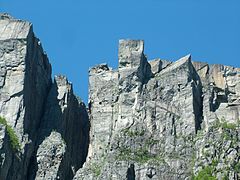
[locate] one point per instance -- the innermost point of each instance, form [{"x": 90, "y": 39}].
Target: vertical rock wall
[
  {"x": 145, "y": 120},
  {"x": 25, "y": 81},
  {"x": 151, "y": 120},
  {"x": 45, "y": 131}
]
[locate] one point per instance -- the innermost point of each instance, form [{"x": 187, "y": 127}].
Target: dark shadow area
[
  {"x": 197, "y": 98},
  {"x": 73, "y": 125},
  {"x": 131, "y": 172},
  {"x": 37, "y": 84},
  {"x": 218, "y": 96}
]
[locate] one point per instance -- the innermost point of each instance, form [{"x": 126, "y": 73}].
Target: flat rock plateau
[{"x": 147, "y": 119}]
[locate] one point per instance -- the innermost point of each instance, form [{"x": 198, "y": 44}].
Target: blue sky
[{"x": 78, "y": 34}]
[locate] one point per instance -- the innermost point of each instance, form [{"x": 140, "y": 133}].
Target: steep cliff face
[
  {"x": 63, "y": 135},
  {"x": 44, "y": 128},
  {"x": 153, "y": 119},
  {"x": 25, "y": 80},
  {"x": 162, "y": 119}
]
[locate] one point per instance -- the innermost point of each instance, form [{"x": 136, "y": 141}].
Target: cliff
[
  {"x": 153, "y": 119},
  {"x": 49, "y": 125}
]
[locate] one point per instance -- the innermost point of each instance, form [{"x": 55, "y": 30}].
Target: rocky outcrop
[
  {"x": 25, "y": 81},
  {"x": 64, "y": 133},
  {"x": 48, "y": 123},
  {"x": 153, "y": 119}
]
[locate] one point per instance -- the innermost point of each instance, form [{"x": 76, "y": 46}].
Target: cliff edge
[{"x": 147, "y": 119}]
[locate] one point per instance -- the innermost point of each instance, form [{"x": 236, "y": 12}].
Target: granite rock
[
  {"x": 34, "y": 108},
  {"x": 154, "y": 119}
]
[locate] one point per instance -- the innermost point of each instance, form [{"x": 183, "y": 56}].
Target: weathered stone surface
[
  {"x": 49, "y": 156},
  {"x": 11, "y": 28},
  {"x": 220, "y": 92},
  {"x": 34, "y": 107},
  {"x": 158, "y": 64},
  {"x": 145, "y": 120},
  {"x": 25, "y": 80},
  {"x": 66, "y": 116},
  {"x": 152, "y": 120},
  {"x": 217, "y": 150},
  {"x": 6, "y": 153}
]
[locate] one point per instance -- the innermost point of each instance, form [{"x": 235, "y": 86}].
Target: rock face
[
  {"x": 49, "y": 124},
  {"x": 162, "y": 119},
  {"x": 153, "y": 119}
]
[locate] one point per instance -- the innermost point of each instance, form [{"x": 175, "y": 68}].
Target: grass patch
[
  {"x": 12, "y": 135},
  {"x": 229, "y": 125},
  {"x": 215, "y": 162},
  {"x": 140, "y": 155},
  {"x": 205, "y": 174},
  {"x": 225, "y": 125},
  {"x": 152, "y": 142},
  {"x": 97, "y": 166},
  {"x": 131, "y": 133},
  {"x": 237, "y": 167},
  {"x": 96, "y": 169}
]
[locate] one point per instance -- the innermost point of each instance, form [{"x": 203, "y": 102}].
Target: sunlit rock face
[
  {"x": 147, "y": 119},
  {"x": 155, "y": 119},
  {"x": 45, "y": 119}
]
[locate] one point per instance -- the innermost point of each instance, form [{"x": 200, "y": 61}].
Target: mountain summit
[{"x": 148, "y": 119}]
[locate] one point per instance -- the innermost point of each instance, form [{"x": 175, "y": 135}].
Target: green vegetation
[
  {"x": 229, "y": 125},
  {"x": 205, "y": 174},
  {"x": 237, "y": 167},
  {"x": 131, "y": 133},
  {"x": 152, "y": 142},
  {"x": 215, "y": 162},
  {"x": 225, "y": 125},
  {"x": 142, "y": 155},
  {"x": 96, "y": 169},
  {"x": 200, "y": 134},
  {"x": 229, "y": 133},
  {"x": 224, "y": 133},
  {"x": 12, "y": 135},
  {"x": 139, "y": 155},
  {"x": 225, "y": 177}
]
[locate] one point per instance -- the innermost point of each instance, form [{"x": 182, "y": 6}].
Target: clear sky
[{"x": 78, "y": 34}]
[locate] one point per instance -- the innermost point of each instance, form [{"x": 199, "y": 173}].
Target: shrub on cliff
[{"x": 12, "y": 135}]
